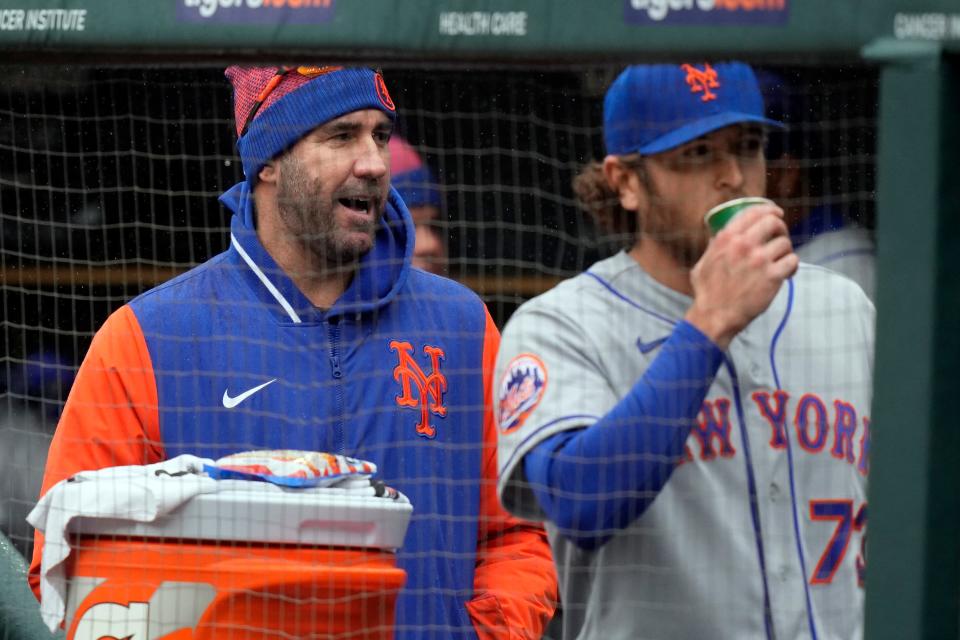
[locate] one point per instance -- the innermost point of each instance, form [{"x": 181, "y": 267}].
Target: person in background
[
  {"x": 33, "y": 394},
  {"x": 417, "y": 187},
  {"x": 821, "y": 233}
]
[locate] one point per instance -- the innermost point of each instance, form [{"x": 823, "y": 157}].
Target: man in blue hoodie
[{"x": 313, "y": 331}]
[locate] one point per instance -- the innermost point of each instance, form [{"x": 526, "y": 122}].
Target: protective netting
[{"x": 109, "y": 179}]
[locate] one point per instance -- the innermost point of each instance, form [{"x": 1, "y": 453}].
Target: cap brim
[{"x": 704, "y": 126}]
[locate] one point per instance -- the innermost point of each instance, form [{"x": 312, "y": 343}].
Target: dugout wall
[{"x": 503, "y": 99}]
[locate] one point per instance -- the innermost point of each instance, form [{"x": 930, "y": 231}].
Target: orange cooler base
[{"x": 150, "y": 590}]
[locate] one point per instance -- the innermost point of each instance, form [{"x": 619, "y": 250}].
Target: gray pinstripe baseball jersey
[{"x": 768, "y": 503}]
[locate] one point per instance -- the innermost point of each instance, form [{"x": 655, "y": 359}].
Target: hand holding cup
[{"x": 746, "y": 262}]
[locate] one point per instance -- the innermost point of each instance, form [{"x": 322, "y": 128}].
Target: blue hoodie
[{"x": 395, "y": 373}]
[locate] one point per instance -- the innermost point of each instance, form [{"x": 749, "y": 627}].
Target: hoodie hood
[{"x": 380, "y": 274}]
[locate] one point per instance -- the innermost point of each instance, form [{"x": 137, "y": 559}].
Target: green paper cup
[{"x": 718, "y": 217}]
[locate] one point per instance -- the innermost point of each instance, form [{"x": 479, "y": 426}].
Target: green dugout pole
[{"x": 913, "y": 548}]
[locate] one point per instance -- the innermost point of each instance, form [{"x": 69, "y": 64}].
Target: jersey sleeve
[
  {"x": 110, "y": 417},
  {"x": 548, "y": 379},
  {"x": 515, "y": 585},
  {"x": 592, "y": 482}
]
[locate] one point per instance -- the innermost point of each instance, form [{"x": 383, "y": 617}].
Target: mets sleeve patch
[{"x": 524, "y": 383}]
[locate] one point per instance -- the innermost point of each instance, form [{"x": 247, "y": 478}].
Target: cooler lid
[{"x": 250, "y": 511}]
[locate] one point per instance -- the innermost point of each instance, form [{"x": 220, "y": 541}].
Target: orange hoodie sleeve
[
  {"x": 515, "y": 583},
  {"x": 110, "y": 417}
]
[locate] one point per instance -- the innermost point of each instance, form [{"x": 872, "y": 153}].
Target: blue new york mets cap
[{"x": 654, "y": 108}]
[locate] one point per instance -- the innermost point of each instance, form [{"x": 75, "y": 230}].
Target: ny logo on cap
[{"x": 702, "y": 81}]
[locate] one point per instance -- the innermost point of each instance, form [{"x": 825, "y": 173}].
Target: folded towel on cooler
[{"x": 136, "y": 493}]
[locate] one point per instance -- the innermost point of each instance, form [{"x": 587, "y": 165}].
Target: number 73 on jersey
[{"x": 847, "y": 522}]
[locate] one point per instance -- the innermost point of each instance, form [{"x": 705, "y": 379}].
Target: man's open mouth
[{"x": 361, "y": 205}]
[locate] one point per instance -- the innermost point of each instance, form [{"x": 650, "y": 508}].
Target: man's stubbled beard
[
  {"x": 307, "y": 210},
  {"x": 659, "y": 222}
]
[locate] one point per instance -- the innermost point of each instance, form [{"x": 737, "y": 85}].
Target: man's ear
[
  {"x": 268, "y": 173},
  {"x": 624, "y": 182}
]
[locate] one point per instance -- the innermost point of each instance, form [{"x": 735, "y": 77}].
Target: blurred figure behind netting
[
  {"x": 825, "y": 229},
  {"x": 34, "y": 391},
  {"x": 419, "y": 190}
]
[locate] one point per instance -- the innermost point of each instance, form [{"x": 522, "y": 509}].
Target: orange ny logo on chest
[{"x": 429, "y": 387}]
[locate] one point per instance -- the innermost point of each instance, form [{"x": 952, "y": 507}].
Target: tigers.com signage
[
  {"x": 255, "y": 11},
  {"x": 706, "y": 12}
]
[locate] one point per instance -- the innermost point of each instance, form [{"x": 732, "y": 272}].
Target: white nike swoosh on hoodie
[{"x": 230, "y": 403}]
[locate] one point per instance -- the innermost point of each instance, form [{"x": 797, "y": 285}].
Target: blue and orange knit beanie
[{"x": 284, "y": 104}]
